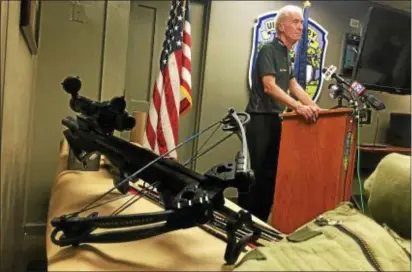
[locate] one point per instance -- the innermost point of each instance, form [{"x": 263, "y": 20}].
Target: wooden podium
[{"x": 315, "y": 168}]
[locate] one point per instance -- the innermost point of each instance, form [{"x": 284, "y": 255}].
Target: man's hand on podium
[
  {"x": 315, "y": 109},
  {"x": 306, "y": 112}
]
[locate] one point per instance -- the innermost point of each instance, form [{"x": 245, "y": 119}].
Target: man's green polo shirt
[{"x": 272, "y": 59}]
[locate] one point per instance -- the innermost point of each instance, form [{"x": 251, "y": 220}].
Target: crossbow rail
[{"x": 189, "y": 198}]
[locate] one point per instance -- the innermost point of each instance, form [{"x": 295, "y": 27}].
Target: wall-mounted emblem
[{"x": 264, "y": 32}]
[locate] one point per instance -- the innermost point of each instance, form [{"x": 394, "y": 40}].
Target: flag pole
[
  {"x": 301, "y": 53},
  {"x": 301, "y": 49}
]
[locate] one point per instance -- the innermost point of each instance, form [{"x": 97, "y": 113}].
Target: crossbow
[{"x": 189, "y": 198}]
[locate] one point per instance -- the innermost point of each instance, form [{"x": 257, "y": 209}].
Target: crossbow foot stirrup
[{"x": 233, "y": 249}]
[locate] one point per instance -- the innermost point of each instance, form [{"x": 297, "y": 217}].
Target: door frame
[{"x": 198, "y": 102}]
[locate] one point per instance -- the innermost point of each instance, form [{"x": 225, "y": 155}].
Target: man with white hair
[{"x": 272, "y": 77}]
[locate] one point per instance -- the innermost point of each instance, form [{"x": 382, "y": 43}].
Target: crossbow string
[{"x": 189, "y": 199}]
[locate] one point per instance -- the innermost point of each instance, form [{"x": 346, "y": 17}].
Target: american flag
[{"x": 172, "y": 92}]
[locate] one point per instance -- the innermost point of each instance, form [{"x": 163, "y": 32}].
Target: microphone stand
[{"x": 339, "y": 105}]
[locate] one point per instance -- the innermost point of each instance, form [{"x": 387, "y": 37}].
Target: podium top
[{"x": 323, "y": 113}]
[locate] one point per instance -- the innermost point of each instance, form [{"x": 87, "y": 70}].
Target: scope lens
[
  {"x": 129, "y": 122},
  {"x": 72, "y": 85},
  {"x": 124, "y": 122}
]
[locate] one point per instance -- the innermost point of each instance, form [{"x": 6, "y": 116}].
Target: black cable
[
  {"x": 376, "y": 129},
  {"x": 207, "y": 140}
]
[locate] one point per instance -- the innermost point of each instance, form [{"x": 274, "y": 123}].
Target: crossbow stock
[{"x": 189, "y": 198}]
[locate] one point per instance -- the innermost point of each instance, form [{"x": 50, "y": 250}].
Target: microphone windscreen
[
  {"x": 334, "y": 91},
  {"x": 327, "y": 73}
]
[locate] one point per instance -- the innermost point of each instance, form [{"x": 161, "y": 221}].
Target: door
[{"x": 147, "y": 25}]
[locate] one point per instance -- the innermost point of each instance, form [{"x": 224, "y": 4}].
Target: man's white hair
[{"x": 285, "y": 12}]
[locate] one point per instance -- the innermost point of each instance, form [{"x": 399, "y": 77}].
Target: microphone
[
  {"x": 357, "y": 88},
  {"x": 371, "y": 100},
  {"x": 354, "y": 89},
  {"x": 374, "y": 102},
  {"x": 336, "y": 90},
  {"x": 327, "y": 73},
  {"x": 331, "y": 73}
]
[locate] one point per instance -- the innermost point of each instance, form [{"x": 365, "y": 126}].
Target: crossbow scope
[{"x": 109, "y": 115}]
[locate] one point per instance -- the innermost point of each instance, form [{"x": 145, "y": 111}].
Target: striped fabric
[{"x": 172, "y": 92}]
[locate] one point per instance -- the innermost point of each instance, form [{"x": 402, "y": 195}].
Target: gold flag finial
[{"x": 306, "y": 4}]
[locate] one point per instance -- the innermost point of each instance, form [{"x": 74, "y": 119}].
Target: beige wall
[
  {"x": 18, "y": 66},
  {"x": 91, "y": 49},
  {"x": 115, "y": 48},
  {"x": 66, "y": 48}
]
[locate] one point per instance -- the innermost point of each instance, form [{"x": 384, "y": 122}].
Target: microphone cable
[
  {"x": 358, "y": 160},
  {"x": 376, "y": 129}
]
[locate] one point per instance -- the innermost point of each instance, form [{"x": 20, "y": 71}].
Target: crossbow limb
[{"x": 189, "y": 198}]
